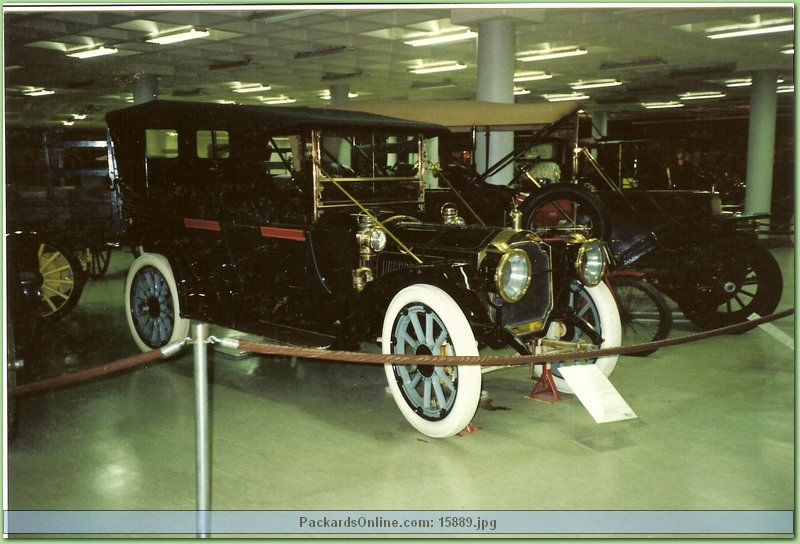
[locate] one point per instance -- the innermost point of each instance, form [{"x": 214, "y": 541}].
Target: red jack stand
[
  {"x": 469, "y": 429},
  {"x": 545, "y": 388}
]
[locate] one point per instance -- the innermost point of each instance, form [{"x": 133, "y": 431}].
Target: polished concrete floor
[{"x": 715, "y": 431}]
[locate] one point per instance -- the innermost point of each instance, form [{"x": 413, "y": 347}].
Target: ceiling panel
[{"x": 655, "y": 51}]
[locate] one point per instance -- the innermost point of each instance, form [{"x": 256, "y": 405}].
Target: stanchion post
[{"x": 203, "y": 447}]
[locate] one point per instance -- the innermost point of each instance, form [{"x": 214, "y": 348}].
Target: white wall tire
[
  {"x": 152, "y": 307},
  {"x": 438, "y": 401},
  {"x": 597, "y": 306}
]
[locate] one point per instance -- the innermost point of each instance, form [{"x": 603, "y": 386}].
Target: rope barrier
[
  {"x": 382, "y": 359},
  {"x": 95, "y": 372}
]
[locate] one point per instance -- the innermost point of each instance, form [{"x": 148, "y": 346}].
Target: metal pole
[{"x": 201, "y": 420}]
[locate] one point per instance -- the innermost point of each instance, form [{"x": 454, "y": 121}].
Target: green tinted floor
[{"x": 715, "y": 430}]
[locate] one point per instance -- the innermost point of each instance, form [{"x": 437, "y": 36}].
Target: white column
[
  {"x": 340, "y": 94},
  {"x": 761, "y": 142},
  {"x": 145, "y": 88},
  {"x": 599, "y": 130},
  {"x": 599, "y": 124},
  {"x": 496, "y": 42}
]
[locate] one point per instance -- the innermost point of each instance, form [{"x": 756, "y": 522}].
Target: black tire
[
  {"x": 729, "y": 281},
  {"x": 63, "y": 280},
  {"x": 564, "y": 205},
  {"x": 643, "y": 310}
]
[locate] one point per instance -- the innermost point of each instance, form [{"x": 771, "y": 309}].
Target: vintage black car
[
  {"x": 304, "y": 225},
  {"x": 24, "y": 291}
]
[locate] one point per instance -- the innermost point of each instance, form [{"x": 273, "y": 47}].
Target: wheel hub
[
  {"x": 153, "y": 307},
  {"x": 425, "y": 370},
  {"x": 729, "y": 287}
]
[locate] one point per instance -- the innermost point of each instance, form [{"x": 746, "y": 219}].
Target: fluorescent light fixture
[
  {"x": 789, "y": 50},
  {"x": 596, "y": 84},
  {"x": 78, "y": 116},
  {"x": 520, "y": 92},
  {"x": 445, "y": 38},
  {"x": 701, "y": 95},
  {"x": 68, "y": 123},
  {"x": 278, "y": 100},
  {"x": 551, "y": 54},
  {"x": 255, "y": 88},
  {"x": 439, "y": 67},
  {"x": 565, "y": 97},
  {"x": 39, "y": 92},
  {"x": 744, "y": 82},
  {"x": 520, "y": 77},
  {"x": 326, "y": 95},
  {"x": 94, "y": 52},
  {"x": 752, "y": 31},
  {"x": 785, "y": 89},
  {"x": 179, "y": 36},
  {"x": 662, "y": 105}
]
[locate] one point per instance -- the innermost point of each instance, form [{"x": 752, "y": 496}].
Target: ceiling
[{"x": 656, "y": 51}]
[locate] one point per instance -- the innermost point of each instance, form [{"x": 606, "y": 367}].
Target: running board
[{"x": 596, "y": 393}]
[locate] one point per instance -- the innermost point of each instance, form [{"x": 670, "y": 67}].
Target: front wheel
[
  {"x": 439, "y": 401},
  {"x": 588, "y": 315},
  {"x": 152, "y": 305}
]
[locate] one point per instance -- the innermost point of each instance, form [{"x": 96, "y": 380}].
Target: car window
[
  {"x": 213, "y": 144},
  {"x": 161, "y": 143}
]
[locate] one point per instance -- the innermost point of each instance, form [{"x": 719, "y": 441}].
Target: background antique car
[
  {"x": 303, "y": 225},
  {"x": 709, "y": 262}
]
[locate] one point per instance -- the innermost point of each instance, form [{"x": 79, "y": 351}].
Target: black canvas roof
[{"x": 177, "y": 114}]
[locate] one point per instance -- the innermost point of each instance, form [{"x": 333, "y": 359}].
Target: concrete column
[
  {"x": 599, "y": 124},
  {"x": 340, "y": 94},
  {"x": 145, "y": 88},
  {"x": 761, "y": 142},
  {"x": 496, "y": 42},
  {"x": 599, "y": 130}
]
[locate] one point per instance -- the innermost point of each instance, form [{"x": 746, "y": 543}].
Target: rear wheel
[
  {"x": 101, "y": 258},
  {"x": 152, "y": 305},
  {"x": 644, "y": 312},
  {"x": 728, "y": 282},
  {"x": 564, "y": 206},
  {"x": 62, "y": 280},
  {"x": 439, "y": 401}
]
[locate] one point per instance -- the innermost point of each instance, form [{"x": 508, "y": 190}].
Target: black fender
[{"x": 457, "y": 279}]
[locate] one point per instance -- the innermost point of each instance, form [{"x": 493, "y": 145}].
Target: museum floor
[{"x": 715, "y": 431}]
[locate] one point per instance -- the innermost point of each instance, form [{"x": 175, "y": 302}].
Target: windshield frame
[{"x": 325, "y": 180}]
